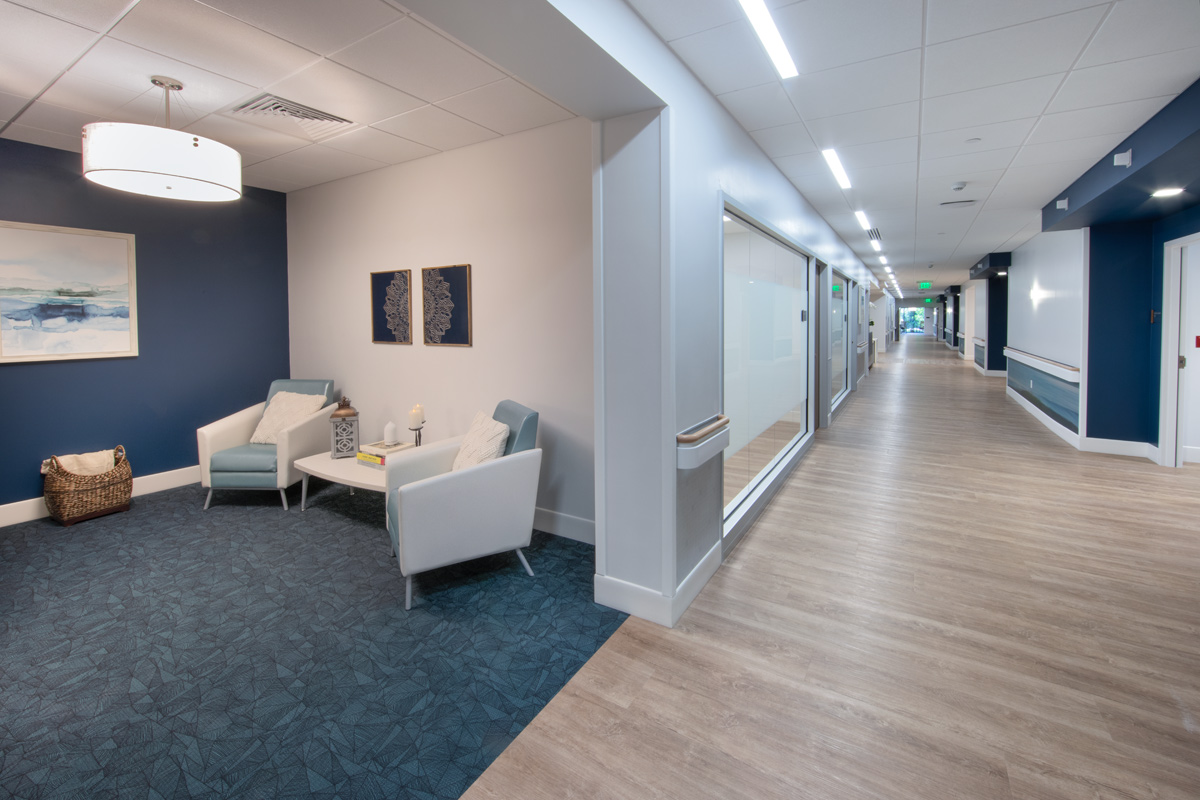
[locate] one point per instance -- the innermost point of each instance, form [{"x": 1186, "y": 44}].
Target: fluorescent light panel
[
  {"x": 835, "y": 166},
  {"x": 768, "y": 34},
  {"x": 875, "y": 243},
  {"x": 883, "y": 259},
  {"x": 1169, "y": 192},
  {"x": 862, "y": 220}
]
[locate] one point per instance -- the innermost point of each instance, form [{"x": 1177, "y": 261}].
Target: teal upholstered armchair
[
  {"x": 228, "y": 460},
  {"x": 437, "y": 517}
]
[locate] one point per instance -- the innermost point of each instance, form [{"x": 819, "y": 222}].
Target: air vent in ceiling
[
  {"x": 274, "y": 111},
  {"x": 957, "y": 203},
  {"x": 873, "y": 233}
]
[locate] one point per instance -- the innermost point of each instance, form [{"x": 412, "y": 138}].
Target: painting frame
[
  {"x": 391, "y": 307},
  {"x": 66, "y": 294},
  {"x": 446, "y": 306}
]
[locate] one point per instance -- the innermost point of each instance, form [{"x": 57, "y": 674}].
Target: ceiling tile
[
  {"x": 379, "y": 146},
  {"x": 148, "y": 108},
  {"x": 939, "y": 188},
  {"x": 1123, "y": 118},
  {"x": 59, "y": 141},
  {"x": 1008, "y": 101},
  {"x": 34, "y": 49},
  {"x": 317, "y": 25},
  {"x": 254, "y": 142},
  {"x": 335, "y": 89},
  {"x": 46, "y": 117},
  {"x": 765, "y": 106},
  {"x": 742, "y": 63},
  {"x": 863, "y": 127},
  {"x": 419, "y": 61},
  {"x": 1136, "y": 79},
  {"x": 822, "y": 34},
  {"x": 967, "y": 163},
  {"x": 856, "y": 87},
  {"x": 1092, "y": 149},
  {"x": 1033, "y": 186},
  {"x": 84, "y": 94},
  {"x": 130, "y": 67},
  {"x": 885, "y": 186},
  {"x": 877, "y": 154},
  {"x": 250, "y": 178},
  {"x": 95, "y": 15},
  {"x": 673, "y": 19},
  {"x": 1142, "y": 28},
  {"x": 194, "y": 33},
  {"x": 1044, "y": 47},
  {"x": 784, "y": 140},
  {"x": 506, "y": 106},
  {"x": 804, "y": 164},
  {"x": 314, "y": 164},
  {"x": 437, "y": 128},
  {"x": 956, "y": 19},
  {"x": 993, "y": 137},
  {"x": 10, "y": 104}
]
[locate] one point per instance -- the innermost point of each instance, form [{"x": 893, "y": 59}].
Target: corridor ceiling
[{"x": 1015, "y": 99}]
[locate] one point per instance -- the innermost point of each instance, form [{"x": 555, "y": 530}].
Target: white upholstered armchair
[{"x": 437, "y": 517}]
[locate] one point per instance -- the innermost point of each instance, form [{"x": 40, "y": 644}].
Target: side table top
[{"x": 346, "y": 471}]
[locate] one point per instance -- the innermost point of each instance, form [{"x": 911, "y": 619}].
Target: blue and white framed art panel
[
  {"x": 447, "y": 305},
  {"x": 66, "y": 293},
  {"x": 391, "y": 307}
]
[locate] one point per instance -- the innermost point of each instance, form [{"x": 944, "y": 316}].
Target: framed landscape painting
[
  {"x": 391, "y": 307},
  {"x": 447, "y": 305},
  {"x": 66, "y": 293}
]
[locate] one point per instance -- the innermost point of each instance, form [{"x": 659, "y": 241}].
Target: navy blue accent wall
[
  {"x": 212, "y": 323},
  {"x": 1120, "y": 363},
  {"x": 997, "y": 327}
]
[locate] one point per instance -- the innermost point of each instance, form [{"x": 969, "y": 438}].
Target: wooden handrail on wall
[
  {"x": 691, "y": 438},
  {"x": 1022, "y": 353}
]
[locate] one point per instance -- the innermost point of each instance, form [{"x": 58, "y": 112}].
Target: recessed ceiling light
[
  {"x": 889, "y": 269},
  {"x": 1168, "y": 192},
  {"x": 768, "y": 34},
  {"x": 862, "y": 220},
  {"x": 835, "y": 166},
  {"x": 875, "y": 244},
  {"x": 727, "y": 218},
  {"x": 1001, "y": 273}
]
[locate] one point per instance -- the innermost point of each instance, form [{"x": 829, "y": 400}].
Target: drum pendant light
[{"x": 161, "y": 162}]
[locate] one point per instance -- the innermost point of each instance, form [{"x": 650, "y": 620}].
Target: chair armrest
[
  {"x": 418, "y": 463},
  {"x": 307, "y": 437},
  {"x": 456, "y": 516},
  {"x": 231, "y": 431}
]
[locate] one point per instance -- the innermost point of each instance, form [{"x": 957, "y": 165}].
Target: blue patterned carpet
[{"x": 251, "y": 652}]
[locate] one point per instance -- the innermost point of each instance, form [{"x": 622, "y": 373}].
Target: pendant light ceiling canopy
[{"x": 161, "y": 162}]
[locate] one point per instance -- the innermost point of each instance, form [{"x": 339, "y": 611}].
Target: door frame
[{"x": 1168, "y": 402}]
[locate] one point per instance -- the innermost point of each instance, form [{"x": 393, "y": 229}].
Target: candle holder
[{"x": 417, "y": 431}]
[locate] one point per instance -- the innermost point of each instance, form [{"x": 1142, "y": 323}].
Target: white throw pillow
[
  {"x": 284, "y": 411},
  {"x": 485, "y": 441}
]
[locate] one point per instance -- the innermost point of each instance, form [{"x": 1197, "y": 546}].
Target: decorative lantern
[{"x": 343, "y": 431}]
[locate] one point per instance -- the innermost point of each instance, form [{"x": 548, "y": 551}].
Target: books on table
[{"x": 376, "y": 454}]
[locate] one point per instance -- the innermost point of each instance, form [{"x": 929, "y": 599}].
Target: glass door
[{"x": 839, "y": 339}]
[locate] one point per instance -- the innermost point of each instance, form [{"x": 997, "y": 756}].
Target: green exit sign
[
  {"x": 837, "y": 287},
  {"x": 924, "y": 285},
  {"x": 928, "y": 299}
]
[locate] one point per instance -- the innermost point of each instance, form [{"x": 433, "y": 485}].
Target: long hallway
[{"x": 945, "y": 601}]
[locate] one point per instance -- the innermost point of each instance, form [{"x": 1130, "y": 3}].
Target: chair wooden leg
[
  {"x": 524, "y": 563},
  {"x": 208, "y": 500},
  {"x": 283, "y": 496},
  {"x": 407, "y": 592}
]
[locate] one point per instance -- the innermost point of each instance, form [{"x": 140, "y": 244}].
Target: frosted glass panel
[
  {"x": 839, "y": 341},
  {"x": 766, "y": 352}
]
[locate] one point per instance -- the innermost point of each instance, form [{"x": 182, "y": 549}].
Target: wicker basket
[{"x": 72, "y": 498}]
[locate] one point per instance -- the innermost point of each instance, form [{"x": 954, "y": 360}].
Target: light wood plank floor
[{"x": 945, "y": 601}]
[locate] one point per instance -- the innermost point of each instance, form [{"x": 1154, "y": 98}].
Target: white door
[{"x": 1189, "y": 352}]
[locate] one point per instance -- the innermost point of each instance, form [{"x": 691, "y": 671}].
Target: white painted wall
[
  {"x": 1046, "y": 294},
  {"x": 518, "y": 210},
  {"x": 981, "y": 307}
]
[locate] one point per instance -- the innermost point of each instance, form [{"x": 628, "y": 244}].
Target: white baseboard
[
  {"x": 991, "y": 373},
  {"x": 1191, "y": 455},
  {"x": 29, "y": 510},
  {"x": 565, "y": 525},
  {"x": 1057, "y": 427},
  {"x": 655, "y": 606},
  {"x": 1119, "y": 447}
]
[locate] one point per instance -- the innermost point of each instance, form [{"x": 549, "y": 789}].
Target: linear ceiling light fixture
[
  {"x": 1169, "y": 192},
  {"x": 161, "y": 162},
  {"x": 876, "y": 245},
  {"x": 862, "y": 220},
  {"x": 835, "y": 166},
  {"x": 768, "y": 34},
  {"x": 883, "y": 260}
]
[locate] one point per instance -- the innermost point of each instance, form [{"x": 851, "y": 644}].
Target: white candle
[
  {"x": 389, "y": 433},
  {"x": 420, "y": 409},
  {"x": 414, "y": 418}
]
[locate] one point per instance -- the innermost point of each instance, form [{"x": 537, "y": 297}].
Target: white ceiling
[
  {"x": 1017, "y": 98},
  {"x": 409, "y": 89}
]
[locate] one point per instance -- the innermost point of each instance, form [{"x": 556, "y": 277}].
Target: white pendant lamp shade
[{"x": 160, "y": 162}]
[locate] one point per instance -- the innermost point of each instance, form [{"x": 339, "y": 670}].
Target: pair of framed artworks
[{"x": 446, "y": 306}]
